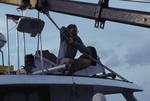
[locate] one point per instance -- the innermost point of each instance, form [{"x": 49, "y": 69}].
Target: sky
[{"x": 123, "y": 48}]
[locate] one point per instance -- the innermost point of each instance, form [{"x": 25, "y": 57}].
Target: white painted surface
[{"x": 63, "y": 80}]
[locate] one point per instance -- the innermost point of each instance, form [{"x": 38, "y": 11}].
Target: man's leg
[
  {"x": 65, "y": 61},
  {"x": 68, "y": 61},
  {"x": 79, "y": 64},
  {"x": 85, "y": 63}
]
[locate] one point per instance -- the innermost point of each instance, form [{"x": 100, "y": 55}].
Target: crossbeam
[{"x": 97, "y": 12}]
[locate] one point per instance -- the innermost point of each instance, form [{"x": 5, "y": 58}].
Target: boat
[{"x": 40, "y": 79}]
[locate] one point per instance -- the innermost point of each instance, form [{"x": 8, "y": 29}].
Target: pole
[
  {"x": 40, "y": 40},
  {"x": 50, "y": 70},
  {"x": 8, "y": 52},
  {"x": 47, "y": 14},
  {"x": 90, "y": 57},
  {"x": 38, "y": 35},
  {"x": 24, "y": 44},
  {"x": 17, "y": 45},
  {"x": 41, "y": 53}
]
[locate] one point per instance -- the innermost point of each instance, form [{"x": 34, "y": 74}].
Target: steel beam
[
  {"x": 97, "y": 12},
  {"x": 138, "y": 18},
  {"x": 86, "y": 10}
]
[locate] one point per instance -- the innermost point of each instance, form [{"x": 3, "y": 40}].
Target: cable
[{"x": 11, "y": 29}]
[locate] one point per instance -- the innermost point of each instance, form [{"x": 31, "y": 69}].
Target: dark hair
[{"x": 71, "y": 26}]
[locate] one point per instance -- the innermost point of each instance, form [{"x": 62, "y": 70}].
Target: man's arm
[
  {"x": 65, "y": 33},
  {"x": 71, "y": 41},
  {"x": 80, "y": 45}
]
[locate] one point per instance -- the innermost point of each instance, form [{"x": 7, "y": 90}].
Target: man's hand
[{"x": 71, "y": 41}]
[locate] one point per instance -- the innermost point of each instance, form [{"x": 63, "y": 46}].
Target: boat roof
[{"x": 107, "y": 86}]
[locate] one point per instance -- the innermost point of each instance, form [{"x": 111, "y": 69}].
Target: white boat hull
[{"x": 63, "y": 88}]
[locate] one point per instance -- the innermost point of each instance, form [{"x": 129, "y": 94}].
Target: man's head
[{"x": 73, "y": 29}]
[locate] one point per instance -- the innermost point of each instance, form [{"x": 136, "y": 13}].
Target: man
[{"x": 70, "y": 42}]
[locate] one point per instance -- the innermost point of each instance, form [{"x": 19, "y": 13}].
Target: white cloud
[
  {"x": 138, "y": 56},
  {"x": 122, "y": 56},
  {"x": 114, "y": 61}
]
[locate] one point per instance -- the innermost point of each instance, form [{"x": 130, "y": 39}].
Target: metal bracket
[
  {"x": 41, "y": 6},
  {"x": 25, "y": 4},
  {"x": 100, "y": 22}
]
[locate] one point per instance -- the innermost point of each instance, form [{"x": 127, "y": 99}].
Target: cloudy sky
[{"x": 123, "y": 48}]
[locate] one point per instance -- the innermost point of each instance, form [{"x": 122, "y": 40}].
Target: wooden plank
[
  {"x": 11, "y": 2},
  {"x": 33, "y": 3},
  {"x": 18, "y": 2}
]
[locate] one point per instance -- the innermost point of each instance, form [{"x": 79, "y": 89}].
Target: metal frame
[{"x": 15, "y": 17}]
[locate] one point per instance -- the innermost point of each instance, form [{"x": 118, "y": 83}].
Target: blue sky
[{"x": 123, "y": 48}]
